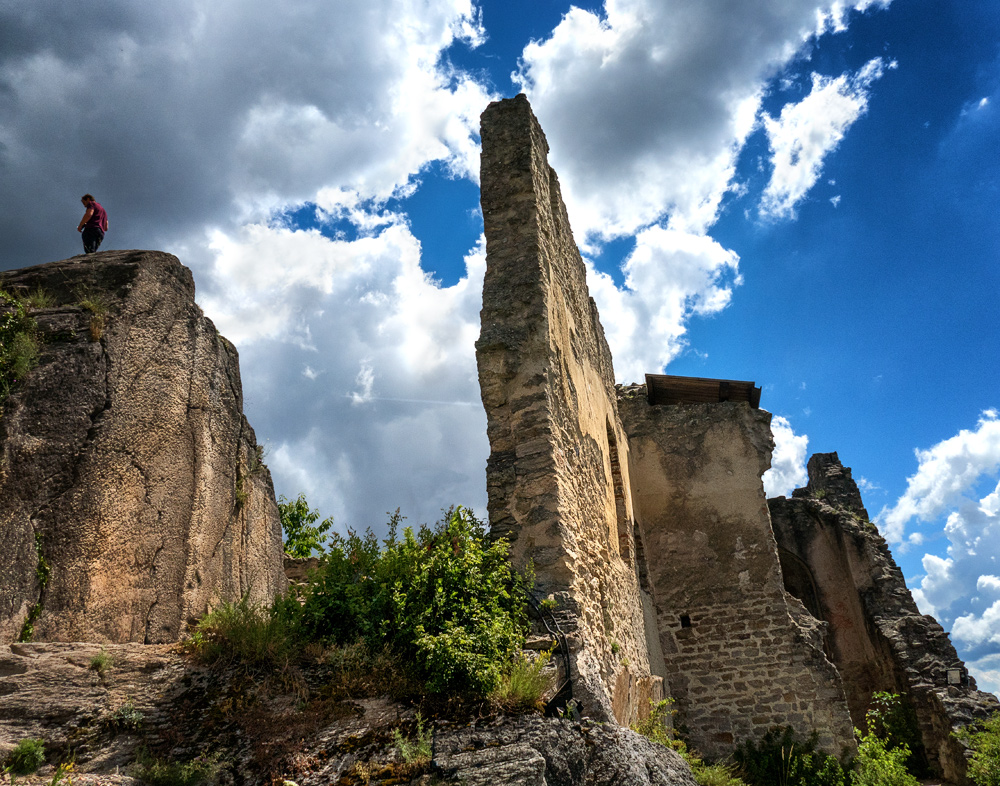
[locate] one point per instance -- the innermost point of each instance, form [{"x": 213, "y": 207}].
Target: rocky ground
[{"x": 150, "y": 700}]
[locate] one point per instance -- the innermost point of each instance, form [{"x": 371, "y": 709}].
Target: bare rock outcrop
[
  {"x": 153, "y": 699},
  {"x": 132, "y": 492},
  {"x": 835, "y": 561}
]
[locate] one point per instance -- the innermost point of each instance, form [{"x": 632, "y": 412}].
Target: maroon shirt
[{"x": 99, "y": 220}]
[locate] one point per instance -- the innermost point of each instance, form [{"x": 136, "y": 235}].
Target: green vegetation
[
  {"x": 781, "y": 758},
  {"x": 43, "y": 572},
  {"x": 39, "y": 299},
  {"x": 415, "y": 751},
  {"x": 301, "y": 537},
  {"x": 202, "y": 771},
  {"x": 28, "y": 755},
  {"x": 258, "y": 638},
  {"x": 522, "y": 688},
  {"x": 98, "y": 305},
  {"x": 883, "y": 752},
  {"x": 101, "y": 662},
  {"x": 657, "y": 727},
  {"x": 892, "y": 719},
  {"x": 19, "y": 344},
  {"x": 443, "y": 601},
  {"x": 126, "y": 717},
  {"x": 984, "y": 740}
]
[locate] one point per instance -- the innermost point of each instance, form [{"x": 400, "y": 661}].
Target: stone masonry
[
  {"x": 126, "y": 462},
  {"x": 741, "y": 654},
  {"x": 836, "y": 562},
  {"x": 557, "y": 476},
  {"x": 644, "y": 515}
]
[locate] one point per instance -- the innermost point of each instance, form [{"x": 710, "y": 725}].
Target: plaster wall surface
[
  {"x": 557, "y": 475},
  {"x": 741, "y": 654}
]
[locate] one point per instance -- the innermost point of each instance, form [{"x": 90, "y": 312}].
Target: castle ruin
[{"x": 643, "y": 513}]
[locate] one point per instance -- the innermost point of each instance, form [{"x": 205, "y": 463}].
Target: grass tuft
[{"x": 523, "y": 688}]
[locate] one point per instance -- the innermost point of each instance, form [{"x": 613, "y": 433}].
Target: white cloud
[
  {"x": 647, "y": 107},
  {"x": 805, "y": 133},
  {"x": 788, "y": 460},
  {"x": 962, "y": 588},
  {"x": 945, "y": 473},
  {"x": 670, "y": 276},
  {"x": 389, "y": 413}
]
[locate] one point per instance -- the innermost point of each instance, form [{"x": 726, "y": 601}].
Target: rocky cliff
[
  {"x": 132, "y": 492},
  {"x": 835, "y": 561}
]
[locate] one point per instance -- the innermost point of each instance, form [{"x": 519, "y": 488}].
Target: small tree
[
  {"x": 297, "y": 520},
  {"x": 984, "y": 766},
  {"x": 880, "y": 762}
]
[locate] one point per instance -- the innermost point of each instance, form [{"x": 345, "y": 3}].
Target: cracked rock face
[{"x": 126, "y": 462}]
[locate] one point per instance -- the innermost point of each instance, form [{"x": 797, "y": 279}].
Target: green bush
[
  {"x": 301, "y": 537},
  {"x": 19, "y": 344},
  {"x": 657, "y": 727},
  {"x": 878, "y": 764},
  {"x": 892, "y": 719},
  {"x": 417, "y": 750},
  {"x": 781, "y": 759},
  {"x": 28, "y": 755},
  {"x": 444, "y": 599},
  {"x": 984, "y": 740},
  {"x": 882, "y": 755}
]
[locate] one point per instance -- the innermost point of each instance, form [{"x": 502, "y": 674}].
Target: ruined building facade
[{"x": 643, "y": 512}]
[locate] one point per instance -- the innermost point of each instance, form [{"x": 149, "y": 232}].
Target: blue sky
[{"x": 799, "y": 192}]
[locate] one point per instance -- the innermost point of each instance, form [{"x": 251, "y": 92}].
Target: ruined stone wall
[
  {"x": 557, "y": 476},
  {"x": 125, "y": 457},
  {"x": 835, "y": 560},
  {"x": 741, "y": 654}
]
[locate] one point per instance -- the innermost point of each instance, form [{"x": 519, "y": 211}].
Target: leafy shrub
[
  {"x": 657, "y": 726},
  {"x": 126, "y": 717},
  {"x": 256, "y": 637},
  {"x": 892, "y": 719},
  {"x": 28, "y": 755},
  {"x": 781, "y": 759},
  {"x": 880, "y": 765},
  {"x": 202, "y": 771},
  {"x": 301, "y": 537},
  {"x": 984, "y": 740},
  {"x": 444, "y": 599},
  {"x": 882, "y": 757},
  {"x": 19, "y": 344}
]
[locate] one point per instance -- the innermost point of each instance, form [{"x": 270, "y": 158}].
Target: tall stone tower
[{"x": 557, "y": 475}]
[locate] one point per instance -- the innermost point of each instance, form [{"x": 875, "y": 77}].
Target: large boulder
[{"x": 132, "y": 491}]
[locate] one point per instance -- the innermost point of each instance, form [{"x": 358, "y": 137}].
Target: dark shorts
[{"x": 92, "y": 237}]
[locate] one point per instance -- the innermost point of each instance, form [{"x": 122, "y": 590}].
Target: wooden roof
[{"x": 665, "y": 389}]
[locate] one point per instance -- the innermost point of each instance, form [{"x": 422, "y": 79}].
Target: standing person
[{"x": 93, "y": 224}]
